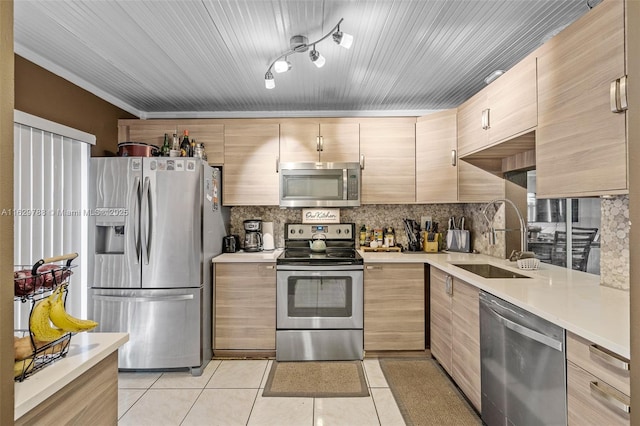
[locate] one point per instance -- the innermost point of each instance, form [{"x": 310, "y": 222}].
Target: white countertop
[
  {"x": 248, "y": 256},
  {"x": 571, "y": 299},
  {"x": 85, "y": 351}
]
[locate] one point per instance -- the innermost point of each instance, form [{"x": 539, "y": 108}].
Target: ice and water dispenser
[{"x": 110, "y": 237}]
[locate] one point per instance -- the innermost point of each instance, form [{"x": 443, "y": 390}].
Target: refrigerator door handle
[
  {"x": 145, "y": 220},
  {"x": 144, "y": 299},
  {"x": 135, "y": 202}
]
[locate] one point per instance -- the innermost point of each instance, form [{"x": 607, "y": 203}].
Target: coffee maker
[{"x": 253, "y": 235}]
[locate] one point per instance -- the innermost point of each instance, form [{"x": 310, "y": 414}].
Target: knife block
[{"x": 431, "y": 246}]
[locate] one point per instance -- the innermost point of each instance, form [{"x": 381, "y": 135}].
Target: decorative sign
[{"x": 320, "y": 215}]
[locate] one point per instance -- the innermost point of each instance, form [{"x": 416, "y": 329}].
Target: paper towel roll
[{"x": 268, "y": 242}]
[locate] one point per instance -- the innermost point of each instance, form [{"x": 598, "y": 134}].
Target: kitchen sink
[{"x": 486, "y": 270}]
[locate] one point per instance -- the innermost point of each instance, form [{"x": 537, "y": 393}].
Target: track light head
[
  {"x": 282, "y": 65},
  {"x": 317, "y": 59},
  {"x": 343, "y": 39},
  {"x": 269, "y": 82}
]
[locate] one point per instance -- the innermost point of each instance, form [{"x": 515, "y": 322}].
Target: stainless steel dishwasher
[{"x": 523, "y": 366}]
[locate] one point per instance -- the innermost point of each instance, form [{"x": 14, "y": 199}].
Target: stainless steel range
[{"x": 319, "y": 294}]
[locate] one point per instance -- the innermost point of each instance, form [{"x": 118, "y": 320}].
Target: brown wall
[
  {"x": 44, "y": 94},
  {"x": 6, "y": 201}
]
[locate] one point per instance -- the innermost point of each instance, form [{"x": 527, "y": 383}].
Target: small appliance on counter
[
  {"x": 231, "y": 244},
  {"x": 268, "y": 241},
  {"x": 253, "y": 235}
]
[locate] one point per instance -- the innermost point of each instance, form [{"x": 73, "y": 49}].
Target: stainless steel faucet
[{"x": 492, "y": 230}]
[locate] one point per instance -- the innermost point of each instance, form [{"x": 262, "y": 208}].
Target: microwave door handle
[{"x": 345, "y": 184}]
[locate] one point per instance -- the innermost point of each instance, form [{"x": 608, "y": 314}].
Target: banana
[
  {"x": 39, "y": 322},
  {"x": 61, "y": 318},
  {"x": 25, "y": 366}
]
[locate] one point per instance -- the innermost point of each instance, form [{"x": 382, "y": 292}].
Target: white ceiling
[{"x": 208, "y": 58}]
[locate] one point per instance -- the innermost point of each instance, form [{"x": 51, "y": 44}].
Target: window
[
  {"x": 564, "y": 231},
  {"x": 50, "y": 201}
]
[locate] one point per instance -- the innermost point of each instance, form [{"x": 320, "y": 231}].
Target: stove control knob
[
  {"x": 346, "y": 230},
  {"x": 300, "y": 231},
  {"x": 293, "y": 231},
  {"x": 339, "y": 231}
]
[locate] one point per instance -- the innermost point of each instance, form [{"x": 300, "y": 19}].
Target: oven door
[{"x": 320, "y": 297}]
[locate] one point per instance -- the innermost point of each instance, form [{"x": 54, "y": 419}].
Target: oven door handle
[{"x": 307, "y": 267}]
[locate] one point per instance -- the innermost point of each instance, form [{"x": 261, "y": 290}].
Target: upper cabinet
[
  {"x": 388, "y": 147},
  {"x": 250, "y": 163},
  {"x": 436, "y": 161},
  {"x": 581, "y": 144},
  {"x": 146, "y": 131},
  {"x": 209, "y": 132},
  {"x": 504, "y": 109},
  {"x": 327, "y": 140},
  {"x": 440, "y": 177}
]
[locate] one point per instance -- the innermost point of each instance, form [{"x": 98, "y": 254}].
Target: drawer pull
[
  {"x": 610, "y": 398},
  {"x": 609, "y": 357}
]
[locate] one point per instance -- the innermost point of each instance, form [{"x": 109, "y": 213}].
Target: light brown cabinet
[
  {"x": 598, "y": 384},
  {"x": 327, "y": 140},
  {"x": 581, "y": 145},
  {"x": 245, "y": 306},
  {"x": 250, "y": 163},
  {"x": 146, "y": 131},
  {"x": 440, "y": 176},
  {"x": 504, "y": 109},
  {"x": 209, "y": 132},
  {"x": 394, "y": 311},
  {"x": 455, "y": 331},
  {"x": 388, "y": 146},
  {"x": 436, "y": 158},
  {"x": 476, "y": 185}
]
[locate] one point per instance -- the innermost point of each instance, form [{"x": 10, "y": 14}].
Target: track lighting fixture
[{"x": 300, "y": 44}]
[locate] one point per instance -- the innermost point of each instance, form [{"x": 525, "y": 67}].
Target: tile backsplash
[
  {"x": 614, "y": 242},
  {"x": 614, "y": 229}
]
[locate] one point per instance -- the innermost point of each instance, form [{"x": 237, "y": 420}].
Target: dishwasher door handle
[{"x": 527, "y": 332}]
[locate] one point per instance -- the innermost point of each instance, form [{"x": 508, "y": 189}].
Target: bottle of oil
[
  {"x": 165, "y": 146},
  {"x": 185, "y": 146}
]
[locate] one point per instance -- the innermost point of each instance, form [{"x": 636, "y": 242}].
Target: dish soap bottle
[
  {"x": 363, "y": 235},
  {"x": 389, "y": 237}
]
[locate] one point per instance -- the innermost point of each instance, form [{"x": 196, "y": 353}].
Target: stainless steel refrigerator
[{"x": 155, "y": 224}]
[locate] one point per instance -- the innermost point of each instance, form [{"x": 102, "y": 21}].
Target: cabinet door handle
[
  {"x": 609, "y": 358},
  {"x": 484, "y": 119},
  {"x": 319, "y": 143},
  {"x": 269, "y": 267},
  {"x": 277, "y": 164},
  {"x": 488, "y": 118},
  {"x": 622, "y": 94},
  {"x": 613, "y": 96},
  {"x": 362, "y": 162},
  {"x": 453, "y": 157},
  {"x": 448, "y": 285},
  {"x": 371, "y": 267},
  {"x": 610, "y": 398}
]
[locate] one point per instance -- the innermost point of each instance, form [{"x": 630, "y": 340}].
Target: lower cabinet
[
  {"x": 394, "y": 311},
  {"x": 455, "y": 331},
  {"x": 598, "y": 385},
  {"x": 245, "y": 306}
]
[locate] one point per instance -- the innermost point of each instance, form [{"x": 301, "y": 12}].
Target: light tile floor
[{"x": 229, "y": 392}]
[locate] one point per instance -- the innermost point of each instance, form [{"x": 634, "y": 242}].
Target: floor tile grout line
[
  {"x": 255, "y": 399},
  {"x": 134, "y": 402},
  {"x": 191, "y": 408}
]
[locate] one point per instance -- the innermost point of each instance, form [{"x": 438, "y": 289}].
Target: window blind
[{"x": 51, "y": 202}]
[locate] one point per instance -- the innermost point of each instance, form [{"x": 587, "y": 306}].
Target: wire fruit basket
[{"x": 32, "y": 284}]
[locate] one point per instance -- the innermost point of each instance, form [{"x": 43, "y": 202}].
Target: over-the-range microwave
[{"x": 316, "y": 184}]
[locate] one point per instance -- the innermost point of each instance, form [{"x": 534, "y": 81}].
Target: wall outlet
[{"x": 423, "y": 221}]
